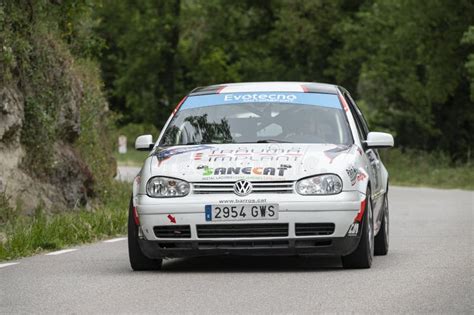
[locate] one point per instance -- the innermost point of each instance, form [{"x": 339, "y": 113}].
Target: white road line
[
  {"x": 8, "y": 264},
  {"x": 59, "y": 252},
  {"x": 115, "y": 240}
]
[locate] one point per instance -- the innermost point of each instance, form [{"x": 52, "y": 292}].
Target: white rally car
[{"x": 268, "y": 168}]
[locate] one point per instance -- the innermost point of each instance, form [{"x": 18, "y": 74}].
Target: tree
[
  {"x": 412, "y": 73},
  {"x": 139, "y": 64},
  {"x": 406, "y": 62}
]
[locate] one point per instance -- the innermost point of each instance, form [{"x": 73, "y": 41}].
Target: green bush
[
  {"x": 27, "y": 235},
  {"x": 419, "y": 168}
]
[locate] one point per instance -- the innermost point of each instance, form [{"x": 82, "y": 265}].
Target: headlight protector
[
  {"x": 165, "y": 187},
  {"x": 326, "y": 184}
]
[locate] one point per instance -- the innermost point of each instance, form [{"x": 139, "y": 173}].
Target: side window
[
  {"x": 360, "y": 127},
  {"x": 359, "y": 118},
  {"x": 359, "y": 113}
]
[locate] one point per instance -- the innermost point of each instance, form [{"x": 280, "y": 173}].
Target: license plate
[{"x": 241, "y": 212}]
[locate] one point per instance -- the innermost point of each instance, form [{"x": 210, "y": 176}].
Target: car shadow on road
[{"x": 252, "y": 264}]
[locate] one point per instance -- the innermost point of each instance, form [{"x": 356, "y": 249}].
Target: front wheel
[
  {"x": 362, "y": 256},
  {"x": 138, "y": 261}
]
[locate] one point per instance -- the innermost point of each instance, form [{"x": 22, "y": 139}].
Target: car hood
[{"x": 256, "y": 162}]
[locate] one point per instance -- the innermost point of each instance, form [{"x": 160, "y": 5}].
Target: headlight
[
  {"x": 328, "y": 184},
  {"x": 161, "y": 187}
]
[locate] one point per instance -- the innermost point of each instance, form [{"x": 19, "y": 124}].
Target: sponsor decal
[
  {"x": 355, "y": 149},
  {"x": 241, "y": 201},
  {"x": 352, "y": 172},
  {"x": 248, "y": 170},
  {"x": 179, "y": 105},
  {"x": 171, "y": 218},
  {"x": 361, "y": 176},
  {"x": 355, "y": 175},
  {"x": 335, "y": 152},
  {"x": 250, "y": 155},
  {"x": 260, "y": 97},
  {"x": 353, "y": 229},
  {"x": 165, "y": 154},
  {"x": 344, "y": 103}
]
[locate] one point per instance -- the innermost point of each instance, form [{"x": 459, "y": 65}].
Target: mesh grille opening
[
  {"x": 242, "y": 230},
  {"x": 172, "y": 231},
  {"x": 312, "y": 229}
]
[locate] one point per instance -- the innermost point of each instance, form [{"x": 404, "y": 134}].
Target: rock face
[
  {"x": 70, "y": 183},
  {"x": 11, "y": 116},
  {"x": 54, "y": 121}
]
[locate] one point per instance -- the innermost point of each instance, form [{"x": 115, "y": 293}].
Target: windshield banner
[{"x": 317, "y": 99}]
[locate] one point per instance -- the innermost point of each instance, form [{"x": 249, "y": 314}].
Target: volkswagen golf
[{"x": 266, "y": 168}]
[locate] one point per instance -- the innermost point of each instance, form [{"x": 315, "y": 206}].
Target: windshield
[{"x": 259, "y": 118}]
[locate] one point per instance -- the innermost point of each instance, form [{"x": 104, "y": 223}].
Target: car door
[{"x": 374, "y": 160}]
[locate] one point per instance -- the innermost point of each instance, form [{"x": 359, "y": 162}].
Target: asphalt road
[{"x": 429, "y": 269}]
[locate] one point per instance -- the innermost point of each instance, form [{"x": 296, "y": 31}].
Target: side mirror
[
  {"x": 144, "y": 143},
  {"x": 379, "y": 140}
]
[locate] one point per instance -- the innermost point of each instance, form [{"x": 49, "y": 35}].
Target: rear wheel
[
  {"x": 138, "y": 261},
  {"x": 364, "y": 253},
  {"x": 381, "y": 240}
]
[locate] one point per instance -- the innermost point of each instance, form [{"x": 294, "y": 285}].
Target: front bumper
[
  {"x": 339, "y": 209},
  {"x": 275, "y": 247}
]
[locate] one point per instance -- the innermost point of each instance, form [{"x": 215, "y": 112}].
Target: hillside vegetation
[
  {"x": 409, "y": 64},
  {"x": 56, "y": 162},
  {"x": 54, "y": 143}
]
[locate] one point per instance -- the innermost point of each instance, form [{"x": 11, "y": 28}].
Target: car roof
[{"x": 277, "y": 86}]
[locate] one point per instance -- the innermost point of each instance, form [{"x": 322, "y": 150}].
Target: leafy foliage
[
  {"x": 410, "y": 71},
  {"x": 408, "y": 62},
  {"x": 468, "y": 39}
]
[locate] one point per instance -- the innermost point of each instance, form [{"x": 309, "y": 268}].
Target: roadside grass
[
  {"x": 27, "y": 235},
  {"x": 418, "y": 168},
  {"x": 131, "y": 158}
]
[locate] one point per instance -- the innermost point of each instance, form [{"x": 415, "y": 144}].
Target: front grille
[
  {"x": 172, "y": 231},
  {"x": 279, "y": 187},
  {"x": 307, "y": 229},
  {"x": 242, "y": 230}
]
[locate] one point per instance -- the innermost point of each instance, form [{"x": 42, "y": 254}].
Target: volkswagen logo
[{"x": 242, "y": 188}]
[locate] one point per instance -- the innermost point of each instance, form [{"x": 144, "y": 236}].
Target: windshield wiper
[
  {"x": 273, "y": 141},
  {"x": 196, "y": 143},
  {"x": 191, "y": 143}
]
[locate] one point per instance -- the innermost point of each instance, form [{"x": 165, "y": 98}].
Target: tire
[
  {"x": 381, "y": 240},
  {"x": 138, "y": 261},
  {"x": 362, "y": 256}
]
